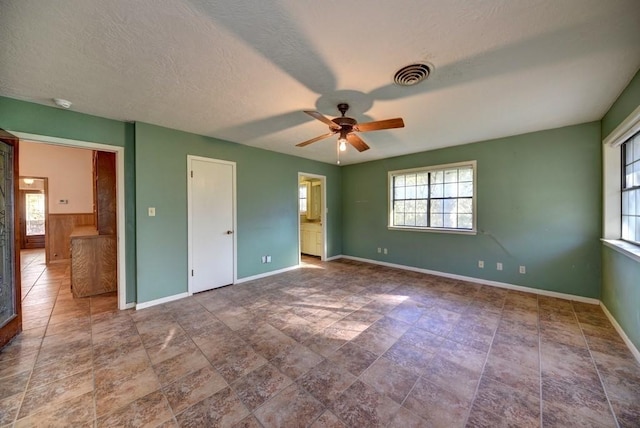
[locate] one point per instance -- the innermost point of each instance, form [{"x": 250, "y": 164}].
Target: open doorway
[
  {"x": 33, "y": 211},
  {"x": 312, "y": 215}
]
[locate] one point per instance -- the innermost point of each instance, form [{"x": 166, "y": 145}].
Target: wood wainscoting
[{"x": 58, "y": 235}]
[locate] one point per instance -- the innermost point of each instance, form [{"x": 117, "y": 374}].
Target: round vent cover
[{"x": 412, "y": 74}]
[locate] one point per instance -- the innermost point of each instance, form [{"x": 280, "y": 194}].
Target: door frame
[
  {"x": 191, "y": 158},
  {"x": 120, "y": 192},
  {"x": 325, "y": 212},
  {"x": 14, "y": 326},
  {"x": 22, "y": 206}
]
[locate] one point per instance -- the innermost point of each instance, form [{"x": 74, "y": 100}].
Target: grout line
[
  {"x": 540, "y": 360},
  {"x": 593, "y": 361}
]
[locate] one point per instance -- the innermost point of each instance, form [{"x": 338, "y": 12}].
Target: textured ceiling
[{"x": 244, "y": 70}]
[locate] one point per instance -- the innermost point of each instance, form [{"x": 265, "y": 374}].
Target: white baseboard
[
  {"x": 339, "y": 256},
  {"x": 481, "y": 281},
  {"x": 161, "y": 300},
  {"x": 129, "y": 306},
  {"x": 621, "y": 332},
  {"x": 266, "y": 274}
]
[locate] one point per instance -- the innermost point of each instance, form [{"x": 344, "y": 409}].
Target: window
[
  {"x": 433, "y": 198},
  {"x": 631, "y": 189},
  {"x": 302, "y": 197}
]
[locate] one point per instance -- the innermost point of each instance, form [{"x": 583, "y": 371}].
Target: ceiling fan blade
[
  {"x": 380, "y": 124},
  {"x": 322, "y": 118},
  {"x": 357, "y": 142},
  {"x": 313, "y": 140}
]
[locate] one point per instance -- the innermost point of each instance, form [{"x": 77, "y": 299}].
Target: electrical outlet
[
  {"x": 499, "y": 266},
  {"x": 152, "y": 211},
  {"x": 523, "y": 270},
  {"x": 481, "y": 264},
  {"x": 264, "y": 259},
  {"x": 385, "y": 251},
  {"x": 268, "y": 259},
  {"x": 379, "y": 250}
]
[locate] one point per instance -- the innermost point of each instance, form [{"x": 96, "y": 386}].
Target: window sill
[
  {"x": 433, "y": 229},
  {"x": 623, "y": 247}
]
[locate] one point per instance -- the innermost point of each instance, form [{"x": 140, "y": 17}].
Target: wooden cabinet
[
  {"x": 311, "y": 239},
  {"x": 104, "y": 191},
  {"x": 93, "y": 262}
]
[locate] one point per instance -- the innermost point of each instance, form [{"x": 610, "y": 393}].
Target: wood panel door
[
  {"x": 33, "y": 215},
  {"x": 10, "y": 297}
]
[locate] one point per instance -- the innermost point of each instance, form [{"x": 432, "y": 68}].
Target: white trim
[
  {"x": 120, "y": 194},
  {"x": 129, "y": 305},
  {"x": 621, "y": 332},
  {"x": 325, "y": 213},
  {"x": 339, "y": 256},
  {"x": 266, "y": 274},
  {"x": 624, "y": 130},
  {"x": 191, "y": 158},
  {"x": 482, "y": 281},
  {"x": 628, "y": 249},
  {"x": 161, "y": 300},
  {"x": 433, "y": 168}
]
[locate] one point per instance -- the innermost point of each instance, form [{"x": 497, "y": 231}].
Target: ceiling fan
[{"x": 347, "y": 127}]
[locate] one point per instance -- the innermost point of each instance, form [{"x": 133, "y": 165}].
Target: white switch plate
[
  {"x": 481, "y": 264},
  {"x": 385, "y": 251},
  {"x": 523, "y": 269},
  {"x": 499, "y": 266},
  {"x": 379, "y": 250},
  {"x": 152, "y": 211},
  {"x": 268, "y": 259}
]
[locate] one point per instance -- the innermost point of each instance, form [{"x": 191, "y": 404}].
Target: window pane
[
  {"x": 410, "y": 206},
  {"x": 451, "y": 190},
  {"x": 410, "y": 180},
  {"x": 465, "y": 174},
  {"x": 437, "y": 220},
  {"x": 399, "y": 181},
  {"x": 636, "y": 147},
  {"x": 423, "y": 178},
  {"x": 399, "y": 206},
  {"x": 450, "y": 206},
  {"x": 399, "y": 193},
  {"x": 422, "y": 192},
  {"x": 437, "y": 190},
  {"x": 410, "y": 192},
  {"x": 436, "y": 206},
  {"x": 35, "y": 214},
  {"x": 451, "y": 176},
  {"x": 626, "y": 227},
  {"x": 398, "y": 219},
  {"x": 421, "y": 220},
  {"x": 633, "y": 202},
  {"x": 465, "y": 206},
  {"x": 636, "y": 173},
  {"x": 410, "y": 219},
  {"x": 465, "y": 189},
  {"x": 451, "y": 220},
  {"x": 465, "y": 221},
  {"x": 437, "y": 177},
  {"x": 421, "y": 206},
  {"x": 628, "y": 151}
]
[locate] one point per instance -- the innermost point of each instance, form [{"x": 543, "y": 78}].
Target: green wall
[
  {"x": 621, "y": 274},
  {"x": 538, "y": 205},
  {"x": 38, "y": 119},
  {"x": 267, "y": 206}
]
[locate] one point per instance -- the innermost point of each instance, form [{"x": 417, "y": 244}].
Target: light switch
[{"x": 152, "y": 211}]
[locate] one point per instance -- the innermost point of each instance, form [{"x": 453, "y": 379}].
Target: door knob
[{"x": 229, "y": 232}]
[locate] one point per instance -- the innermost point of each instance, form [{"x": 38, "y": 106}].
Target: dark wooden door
[
  {"x": 104, "y": 166},
  {"x": 32, "y": 218},
  {"x": 10, "y": 297}
]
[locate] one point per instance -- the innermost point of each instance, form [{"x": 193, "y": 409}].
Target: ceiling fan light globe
[{"x": 342, "y": 144}]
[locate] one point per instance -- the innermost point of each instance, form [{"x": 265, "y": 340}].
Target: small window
[
  {"x": 302, "y": 197},
  {"x": 437, "y": 198},
  {"x": 631, "y": 189}
]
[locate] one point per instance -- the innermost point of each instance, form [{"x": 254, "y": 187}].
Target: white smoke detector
[{"x": 60, "y": 102}]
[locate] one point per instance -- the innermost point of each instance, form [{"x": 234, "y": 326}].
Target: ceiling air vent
[{"x": 412, "y": 74}]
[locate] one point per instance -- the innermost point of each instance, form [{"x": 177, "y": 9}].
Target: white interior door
[{"x": 211, "y": 223}]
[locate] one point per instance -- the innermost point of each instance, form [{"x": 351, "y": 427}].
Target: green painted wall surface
[
  {"x": 621, "y": 274},
  {"x": 267, "y": 204},
  {"x": 38, "y": 119},
  {"x": 538, "y": 205},
  {"x": 628, "y": 101},
  {"x": 621, "y": 291}
]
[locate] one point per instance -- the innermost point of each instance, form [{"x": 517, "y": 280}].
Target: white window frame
[
  {"x": 434, "y": 168},
  {"x": 612, "y": 186}
]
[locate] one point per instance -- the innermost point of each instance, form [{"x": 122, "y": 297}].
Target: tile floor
[{"x": 338, "y": 344}]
